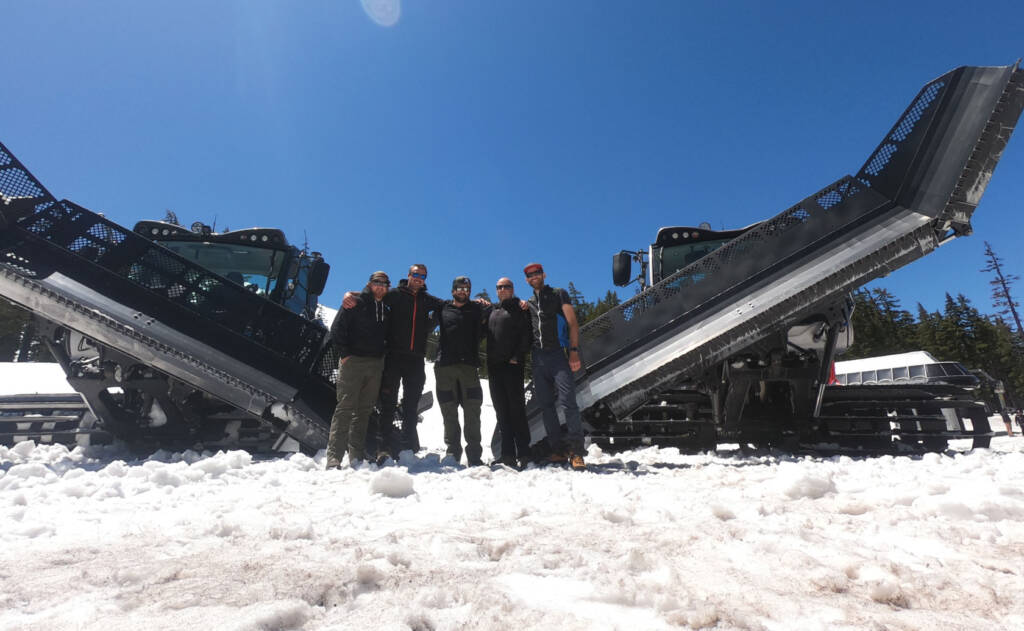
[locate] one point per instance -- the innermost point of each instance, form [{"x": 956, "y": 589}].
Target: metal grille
[
  {"x": 710, "y": 266},
  {"x": 14, "y": 182},
  {"x": 750, "y": 244},
  {"x": 163, "y": 274},
  {"x": 327, "y": 365},
  {"x": 883, "y": 154}
]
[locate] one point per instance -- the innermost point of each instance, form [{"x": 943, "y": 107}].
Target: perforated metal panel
[{"x": 58, "y": 229}]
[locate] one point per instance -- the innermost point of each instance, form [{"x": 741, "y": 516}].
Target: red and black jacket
[{"x": 411, "y": 320}]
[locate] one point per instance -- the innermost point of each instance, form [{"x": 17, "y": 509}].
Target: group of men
[{"x": 380, "y": 336}]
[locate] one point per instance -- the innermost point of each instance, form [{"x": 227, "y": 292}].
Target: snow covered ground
[{"x": 650, "y": 539}]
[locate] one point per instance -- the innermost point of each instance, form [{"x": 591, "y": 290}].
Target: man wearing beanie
[
  {"x": 552, "y": 316},
  {"x": 359, "y": 336},
  {"x": 412, "y": 310},
  {"x": 457, "y": 379}
]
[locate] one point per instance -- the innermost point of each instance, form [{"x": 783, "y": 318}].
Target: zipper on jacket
[{"x": 412, "y": 338}]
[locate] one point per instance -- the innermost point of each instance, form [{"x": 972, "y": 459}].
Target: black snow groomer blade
[
  {"x": 917, "y": 190},
  {"x": 183, "y": 323}
]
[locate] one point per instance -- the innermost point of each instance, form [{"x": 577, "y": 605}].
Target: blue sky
[{"x": 478, "y": 136}]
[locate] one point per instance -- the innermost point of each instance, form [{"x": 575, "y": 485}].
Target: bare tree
[{"x": 1002, "y": 300}]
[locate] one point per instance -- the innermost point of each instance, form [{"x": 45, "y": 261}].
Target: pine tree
[
  {"x": 171, "y": 217},
  {"x": 483, "y": 294},
  {"x": 880, "y": 326},
  {"x": 1002, "y": 300},
  {"x": 12, "y": 321},
  {"x": 579, "y": 304}
]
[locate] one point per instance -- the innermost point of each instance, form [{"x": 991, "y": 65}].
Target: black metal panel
[{"x": 924, "y": 156}]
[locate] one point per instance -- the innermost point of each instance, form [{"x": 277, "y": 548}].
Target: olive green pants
[
  {"x": 456, "y": 385},
  {"x": 357, "y": 390}
]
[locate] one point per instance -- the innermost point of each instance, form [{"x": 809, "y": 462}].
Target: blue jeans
[{"x": 552, "y": 379}]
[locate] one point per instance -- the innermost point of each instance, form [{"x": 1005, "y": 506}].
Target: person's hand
[
  {"x": 483, "y": 302},
  {"x": 574, "y": 360},
  {"x": 345, "y": 359},
  {"x": 349, "y": 301},
  {"x": 524, "y": 305},
  {"x": 513, "y": 362}
]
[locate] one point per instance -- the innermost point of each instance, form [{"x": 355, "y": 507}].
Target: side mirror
[
  {"x": 317, "y": 278},
  {"x": 621, "y": 269}
]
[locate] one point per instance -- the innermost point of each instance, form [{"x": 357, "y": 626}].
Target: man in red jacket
[{"x": 411, "y": 319}]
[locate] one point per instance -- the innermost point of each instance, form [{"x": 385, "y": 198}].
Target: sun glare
[{"x": 383, "y": 12}]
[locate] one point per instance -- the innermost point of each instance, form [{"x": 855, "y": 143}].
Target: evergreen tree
[
  {"x": 171, "y": 217},
  {"x": 579, "y": 304},
  {"x": 880, "y": 326},
  {"x": 1002, "y": 299},
  {"x": 483, "y": 294},
  {"x": 13, "y": 320},
  {"x": 609, "y": 302}
]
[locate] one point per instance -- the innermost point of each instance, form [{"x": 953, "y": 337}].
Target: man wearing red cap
[{"x": 556, "y": 333}]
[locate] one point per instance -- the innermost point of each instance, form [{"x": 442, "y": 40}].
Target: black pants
[
  {"x": 509, "y": 400},
  {"x": 407, "y": 369}
]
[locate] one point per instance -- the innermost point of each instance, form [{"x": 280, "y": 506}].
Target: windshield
[
  {"x": 255, "y": 268},
  {"x": 676, "y": 257}
]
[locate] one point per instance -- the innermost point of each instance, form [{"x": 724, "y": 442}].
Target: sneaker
[{"x": 576, "y": 462}]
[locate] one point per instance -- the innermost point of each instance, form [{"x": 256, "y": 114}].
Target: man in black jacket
[
  {"x": 411, "y": 320},
  {"x": 509, "y": 339},
  {"x": 359, "y": 337},
  {"x": 457, "y": 378}
]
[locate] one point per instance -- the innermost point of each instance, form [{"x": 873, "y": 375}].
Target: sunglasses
[
  {"x": 534, "y": 273},
  {"x": 500, "y": 287},
  {"x": 464, "y": 290},
  {"x": 380, "y": 283},
  {"x": 419, "y": 276}
]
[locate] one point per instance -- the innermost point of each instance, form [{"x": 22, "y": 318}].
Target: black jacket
[
  {"x": 361, "y": 330},
  {"x": 462, "y": 328},
  {"x": 410, "y": 319},
  {"x": 547, "y": 315},
  {"x": 509, "y": 334}
]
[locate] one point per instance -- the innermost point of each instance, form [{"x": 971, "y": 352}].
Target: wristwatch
[{"x": 574, "y": 348}]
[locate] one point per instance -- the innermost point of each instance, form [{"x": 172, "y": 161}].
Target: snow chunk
[
  {"x": 392, "y": 483},
  {"x": 302, "y": 529},
  {"x": 222, "y": 462},
  {"x": 801, "y": 483},
  {"x": 30, "y": 470},
  {"x": 164, "y": 477},
  {"x": 887, "y": 591},
  {"x": 281, "y": 614},
  {"x": 23, "y": 449},
  {"x": 370, "y": 574},
  {"x": 722, "y": 512}
]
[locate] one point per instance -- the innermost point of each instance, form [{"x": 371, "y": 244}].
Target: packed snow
[{"x": 97, "y": 538}]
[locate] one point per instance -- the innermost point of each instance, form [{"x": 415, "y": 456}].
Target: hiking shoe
[
  {"x": 576, "y": 462},
  {"x": 557, "y": 458},
  {"x": 332, "y": 463}
]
